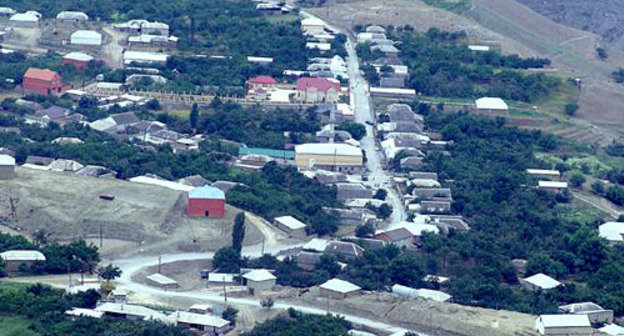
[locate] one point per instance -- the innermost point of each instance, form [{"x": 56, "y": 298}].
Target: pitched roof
[
  {"x": 344, "y": 248},
  {"x": 543, "y": 281},
  {"x": 341, "y": 286},
  {"x": 125, "y": 118},
  {"x": 290, "y": 222},
  {"x": 207, "y": 192},
  {"x": 161, "y": 279},
  {"x": 199, "y": 319},
  {"x": 259, "y": 275},
  {"x": 612, "y": 231},
  {"x": 263, "y": 80},
  {"x": 78, "y": 56},
  {"x": 41, "y": 74},
  {"x": 328, "y": 149},
  {"x": 321, "y": 84},
  {"x": 6, "y": 160}
]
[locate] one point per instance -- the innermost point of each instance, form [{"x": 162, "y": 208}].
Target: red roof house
[
  {"x": 317, "y": 89},
  {"x": 43, "y": 81},
  {"x": 260, "y": 82}
]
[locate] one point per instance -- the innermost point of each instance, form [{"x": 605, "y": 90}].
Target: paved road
[{"x": 378, "y": 176}]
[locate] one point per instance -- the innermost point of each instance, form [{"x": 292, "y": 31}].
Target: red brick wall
[
  {"x": 42, "y": 86},
  {"x": 198, "y": 208}
]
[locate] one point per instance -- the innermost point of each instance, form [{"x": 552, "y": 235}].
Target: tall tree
[
  {"x": 194, "y": 117},
  {"x": 238, "y": 232}
]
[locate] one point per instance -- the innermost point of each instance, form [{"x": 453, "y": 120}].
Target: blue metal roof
[{"x": 207, "y": 192}]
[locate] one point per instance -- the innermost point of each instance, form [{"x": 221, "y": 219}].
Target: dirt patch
[
  {"x": 430, "y": 317},
  {"x": 141, "y": 219}
]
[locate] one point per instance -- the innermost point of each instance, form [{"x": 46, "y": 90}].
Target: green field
[{"x": 11, "y": 325}]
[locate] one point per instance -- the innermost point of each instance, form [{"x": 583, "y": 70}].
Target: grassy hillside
[{"x": 11, "y": 325}]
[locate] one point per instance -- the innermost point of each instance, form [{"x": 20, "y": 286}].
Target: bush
[
  {"x": 577, "y": 179},
  {"x": 571, "y": 108}
]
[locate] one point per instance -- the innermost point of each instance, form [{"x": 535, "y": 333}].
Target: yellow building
[{"x": 329, "y": 156}]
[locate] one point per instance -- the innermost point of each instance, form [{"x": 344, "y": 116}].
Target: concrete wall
[
  {"x": 297, "y": 233},
  {"x": 7, "y": 172},
  {"x": 198, "y": 208},
  {"x": 336, "y": 295},
  {"x": 257, "y": 287}
]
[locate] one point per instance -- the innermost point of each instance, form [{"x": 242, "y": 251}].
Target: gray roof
[
  {"x": 392, "y": 82},
  {"x": 398, "y": 234},
  {"x": 423, "y": 175},
  {"x": 352, "y": 190},
  {"x": 225, "y": 186},
  {"x": 125, "y": 118},
  {"x": 54, "y": 112},
  {"x": 39, "y": 160},
  {"x": 308, "y": 258},
  {"x": 344, "y": 248}
]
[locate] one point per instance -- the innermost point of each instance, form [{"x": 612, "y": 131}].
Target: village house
[
  {"x": 347, "y": 191},
  {"x": 344, "y": 249},
  {"x": 128, "y": 311},
  {"x": 258, "y": 281},
  {"x": 77, "y": 59},
  {"x": 401, "y": 237},
  {"x": 565, "y": 325},
  {"x": 595, "y": 313},
  {"x": 208, "y": 325},
  {"x": 338, "y": 289},
  {"x": 308, "y": 260},
  {"x": 432, "y": 193},
  {"x": 26, "y": 20},
  {"x": 447, "y": 222},
  {"x": 292, "y": 226},
  {"x": 162, "y": 281},
  {"x": 317, "y": 90},
  {"x": 312, "y": 24},
  {"x": 612, "y": 232},
  {"x": 72, "y": 16},
  {"x": 260, "y": 82},
  {"x": 14, "y": 259},
  {"x": 435, "y": 206},
  {"x": 43, "y": 81},
  {"x": 539, "y": 282}
]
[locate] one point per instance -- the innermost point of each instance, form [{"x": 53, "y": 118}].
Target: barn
[
  {"x": 43, "y": 81},
  {"x": 206, "y": 202}
]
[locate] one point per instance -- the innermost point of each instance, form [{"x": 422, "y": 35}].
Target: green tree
[
  {"x": 384, "y": 211},
  {"x": 194, "y": 116},
  {"x": 230, "y": 314},
  {"x": 365, "y": 230},
  {"x": 357, "y": 130},
  {"x": 381, "y": 194},
  {"x": 542, "y": 263},
  {"x": 598, "y": 188},
  {"x": 238, "y": 232},
  {"x": 577, "y": 179},
  {"x": 407, "y": 269},
  {"x": 328, "y": 263},
  {"x": 109, "y": 272},
  {"x": 227, "y": 260}
]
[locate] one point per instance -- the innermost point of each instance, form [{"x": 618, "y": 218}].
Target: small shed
[
  {"x": 14, "y": 259},
  {"x": 160, "y": 280},
  {"x": 553, "y": 186},
  {"x": 563, "y": 325},
  {"x": 259, "y": 280},
  {"x": 292, "y": 226},
  {"x": 539, "y": 281},
  {"x": 77, "y": 59},
  {"x": 206, "y": 202},
  {"x": 338, "y": 289},
  {"x": 72, "y": 16},
  {"x": 86, "y": 37},
  {"x": 7, "y": 167}
]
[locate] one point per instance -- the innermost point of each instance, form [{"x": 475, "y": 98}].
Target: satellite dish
[{"x": 311, "y": 163}]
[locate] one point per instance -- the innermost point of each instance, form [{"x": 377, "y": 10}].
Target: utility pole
[
  {"x": 101, "y": 236},
  {"x": 263, "y": 239},
  {"x": 224, "y": 290},
  {"x": 159, "y": 262}
]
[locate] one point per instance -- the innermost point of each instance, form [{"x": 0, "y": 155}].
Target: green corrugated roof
[{"x": 275, "y": 153}]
